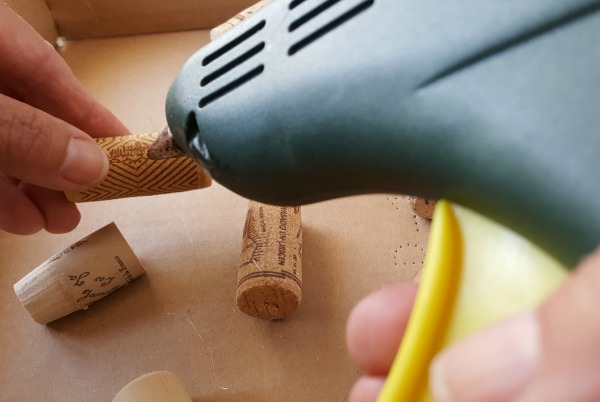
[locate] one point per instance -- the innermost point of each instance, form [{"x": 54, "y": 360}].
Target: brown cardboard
[{"x": 181, "y": 316}]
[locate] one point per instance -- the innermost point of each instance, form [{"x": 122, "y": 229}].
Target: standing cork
[
  {"x": 132, "y": 173},
  {"x": 270, "y": 271},
  {"x": 81, "y": 274}
]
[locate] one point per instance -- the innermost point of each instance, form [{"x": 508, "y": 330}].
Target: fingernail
[
  {"x": 85, "y": 163},
  {"x": 492, "y": 365}
]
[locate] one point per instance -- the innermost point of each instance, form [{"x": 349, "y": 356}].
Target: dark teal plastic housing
[{"x": 491, "y": 104}]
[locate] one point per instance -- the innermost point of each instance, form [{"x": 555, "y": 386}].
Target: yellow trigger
[{"x": 476, "y": 272}]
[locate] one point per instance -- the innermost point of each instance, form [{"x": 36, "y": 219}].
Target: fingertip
[
  {"x": 69, "y": 219},
  {"x": 366, "y": 389},
  {"x": 376, "y": 325},
  {"x": 18, "y": 214},
  {"x": 85, "y": 163},
  {"x": 494, "y": 364},
  {"x": 21, "y": 227},
  {"x": 43, "y": 150},
  {"x": 59, "y": 214}
]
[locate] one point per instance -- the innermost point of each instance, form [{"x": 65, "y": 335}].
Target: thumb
[
  {"x": 549, "y": 354},
  {"x": 40, "y": 149}
]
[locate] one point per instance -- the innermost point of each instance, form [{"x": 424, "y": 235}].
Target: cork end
[
  {"x": 269, "y": 301},
  {"x": 158, "y": 386},
  {"x": 39, "y": 306}
]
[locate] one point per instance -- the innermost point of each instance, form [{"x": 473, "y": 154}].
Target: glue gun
[{"x": 490, "y": 105}]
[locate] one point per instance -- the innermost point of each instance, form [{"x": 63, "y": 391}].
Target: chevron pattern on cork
[{"x": 133, "y": 174}]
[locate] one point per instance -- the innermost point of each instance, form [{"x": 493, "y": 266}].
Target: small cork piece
[
  {"x": 270, "y": 271},
  {"x": 78, "y": 276},
  {"x": 159, "y": 386},
  {"x": 132, "y": 173},
  {"x": 226, "y": 26},
  {"x": 422, "y": 207}
]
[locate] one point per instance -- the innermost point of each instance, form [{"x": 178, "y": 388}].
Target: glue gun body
[{"x": 492, "y": 105}]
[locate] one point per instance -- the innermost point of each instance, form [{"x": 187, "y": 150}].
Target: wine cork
[
  {"x": 270, "y": 271},
  {"x": 422, "y": 207},
  {"x": 132, "y": 173},
  {"x": 159, "y": 386},
  {"x": 83, "y": 273},
  {"x": 241, "y": 16}
]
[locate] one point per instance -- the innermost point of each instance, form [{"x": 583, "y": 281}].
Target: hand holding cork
[{"x": 47, "y": 123}]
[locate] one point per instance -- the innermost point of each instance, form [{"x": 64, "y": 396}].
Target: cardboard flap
[
  {"x": 76, "y": 19},
  {"x": 36, "y": 13}
]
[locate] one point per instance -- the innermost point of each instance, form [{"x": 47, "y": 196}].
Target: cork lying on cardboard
[
  {"x": 132, "y": 173},
  {"x": 81, "y": 274}
]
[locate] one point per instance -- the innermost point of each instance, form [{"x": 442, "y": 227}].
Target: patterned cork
[
  {"x": 133, "y": 174},
  {"x": 270, "y": 271}
]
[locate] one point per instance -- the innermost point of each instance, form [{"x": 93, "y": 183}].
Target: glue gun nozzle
[{"x": 164, "y": 147}]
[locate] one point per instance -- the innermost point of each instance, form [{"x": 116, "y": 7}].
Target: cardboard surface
[{"x": 181, "y": 315}]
